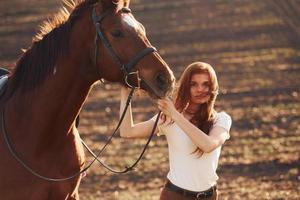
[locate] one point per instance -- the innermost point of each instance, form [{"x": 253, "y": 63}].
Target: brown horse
[{"x": 50, "y": 83}]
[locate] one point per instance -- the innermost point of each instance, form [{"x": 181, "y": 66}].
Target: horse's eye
[{"x": 117, "y": 33}]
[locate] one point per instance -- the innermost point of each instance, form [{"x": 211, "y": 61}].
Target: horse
[{"x": 49, "y": 84}]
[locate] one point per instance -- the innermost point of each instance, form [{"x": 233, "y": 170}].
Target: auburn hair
[{"x": 205, "y": 114}]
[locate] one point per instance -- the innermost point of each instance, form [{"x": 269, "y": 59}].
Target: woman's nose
[{"x": 200, "y": 88}]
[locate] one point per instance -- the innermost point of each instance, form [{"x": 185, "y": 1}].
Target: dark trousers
[{"x": 167, "y": 194}]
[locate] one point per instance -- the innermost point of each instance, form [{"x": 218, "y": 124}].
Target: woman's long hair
[{"x": 205, "y": 114}]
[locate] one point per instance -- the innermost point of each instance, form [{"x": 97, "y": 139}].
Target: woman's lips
[{"x": 201, "y": 95}]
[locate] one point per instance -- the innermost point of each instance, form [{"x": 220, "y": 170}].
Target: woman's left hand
[{"x": 167, "y": 107}]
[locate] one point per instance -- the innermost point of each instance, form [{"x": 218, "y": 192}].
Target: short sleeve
[{"x": 223, "y": 120}]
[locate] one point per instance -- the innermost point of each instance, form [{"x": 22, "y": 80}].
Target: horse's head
[{"x": 120, "y": 51}]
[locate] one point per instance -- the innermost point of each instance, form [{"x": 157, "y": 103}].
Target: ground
[{"x": 254, "y": 47}]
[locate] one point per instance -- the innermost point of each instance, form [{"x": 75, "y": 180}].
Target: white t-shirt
[{"x": 187, "y": 169}]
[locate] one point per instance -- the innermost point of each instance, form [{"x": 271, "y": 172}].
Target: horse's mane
[{"x": 49, "y": 44}]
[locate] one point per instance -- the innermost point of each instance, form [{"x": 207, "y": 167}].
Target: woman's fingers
[
  {"x": 162, "y": 102},
  {"x": 164, "y": 109},
  {"x": 161, "y": 105}
]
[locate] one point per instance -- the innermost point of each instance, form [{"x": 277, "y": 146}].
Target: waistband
[{"x": 187, "y": 193}]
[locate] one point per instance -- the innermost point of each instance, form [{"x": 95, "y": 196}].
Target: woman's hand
[{"x": 166, "y": 105}]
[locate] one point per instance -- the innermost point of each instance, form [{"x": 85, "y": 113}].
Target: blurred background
[{"x": 254, "y": 46}]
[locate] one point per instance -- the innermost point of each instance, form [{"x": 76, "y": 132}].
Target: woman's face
[{"x": 200, "y": 88}]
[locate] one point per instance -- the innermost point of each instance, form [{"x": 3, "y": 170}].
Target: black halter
[{"x": 125, "y": 68}]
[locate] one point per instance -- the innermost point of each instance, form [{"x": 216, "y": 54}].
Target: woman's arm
[
  {"x": 128, "y": 129},
  {"x": 206, "y": 143}
]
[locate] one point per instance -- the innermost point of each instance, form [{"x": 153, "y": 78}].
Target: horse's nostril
[{"x": 161, "y": 81}]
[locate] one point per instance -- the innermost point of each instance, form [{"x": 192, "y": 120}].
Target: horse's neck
[{"x": 48, "y": 111}]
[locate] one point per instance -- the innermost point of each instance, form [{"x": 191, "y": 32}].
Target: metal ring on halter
[{"x": 137, "y": 77}]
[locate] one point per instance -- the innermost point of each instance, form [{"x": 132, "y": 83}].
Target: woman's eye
[
  {"x": 207, "y": 84},
  {"x": 117, "y": 33},
  {"x": 193, "y": 84}
]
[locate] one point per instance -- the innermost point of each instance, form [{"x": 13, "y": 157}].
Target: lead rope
[{"x": 96, "y": 157}]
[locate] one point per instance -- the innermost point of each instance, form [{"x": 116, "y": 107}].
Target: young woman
[{"x": 195, "y": 133}]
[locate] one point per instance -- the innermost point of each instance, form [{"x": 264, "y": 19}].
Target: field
[{"x": 255, "y": 48}]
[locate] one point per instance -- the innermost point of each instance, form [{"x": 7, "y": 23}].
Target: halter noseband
[{"x": 125, "y": 68}]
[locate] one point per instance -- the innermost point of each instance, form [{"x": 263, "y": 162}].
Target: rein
[{"x": 112, "y": 135}]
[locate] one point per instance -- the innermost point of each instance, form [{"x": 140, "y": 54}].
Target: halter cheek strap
[{"x": 125, "y": 68}]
